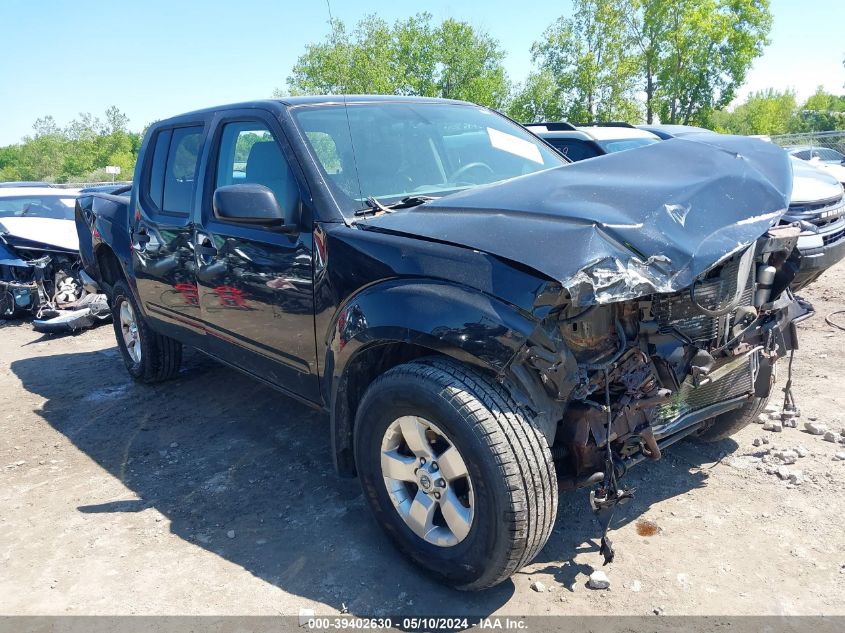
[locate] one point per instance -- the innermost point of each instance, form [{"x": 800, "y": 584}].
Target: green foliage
[
  {"x": 587, "y": 66},
  {"x": 411, "y": 57},
  {"x": 704, "y": 49},
  {"x": 764, "y": 112},
  {"x": 772, "y": 112},
  {"x": 688, "y": 57},
  {"x": 80, "y": 151}
]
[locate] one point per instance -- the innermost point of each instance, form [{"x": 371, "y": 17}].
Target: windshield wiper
[{"x": 379, "y": 207}]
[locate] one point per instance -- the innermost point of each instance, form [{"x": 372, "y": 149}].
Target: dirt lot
[{"x": 215, "y": 495}]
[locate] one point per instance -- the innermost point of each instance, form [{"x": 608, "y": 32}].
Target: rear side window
[{"x": 173, "y": 171}]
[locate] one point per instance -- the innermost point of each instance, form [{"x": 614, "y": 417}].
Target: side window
[
  {"x": 803, "y": 155},
  {"x": 173, "y": 170},
  {"x": 249, "y": 153}
]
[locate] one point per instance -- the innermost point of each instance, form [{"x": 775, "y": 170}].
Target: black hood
[{"x": 621, "y": 226}]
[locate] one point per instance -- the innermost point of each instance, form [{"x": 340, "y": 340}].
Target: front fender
[{"x": 445, "y": 318}]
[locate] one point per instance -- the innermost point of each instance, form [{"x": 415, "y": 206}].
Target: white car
[
  {"x": 588, "y": 141},
  {"x": 39, "y": 248},
  {"x": 825, "y": 158}
]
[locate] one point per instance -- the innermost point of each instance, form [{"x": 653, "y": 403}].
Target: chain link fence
[
  {"x": 82, "y": 185},
  {"x": 814, "y": 144}
]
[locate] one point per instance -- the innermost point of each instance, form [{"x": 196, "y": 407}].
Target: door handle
[
  {"x": 206, "y": 251},
  {"x": 204, "y": 247}
]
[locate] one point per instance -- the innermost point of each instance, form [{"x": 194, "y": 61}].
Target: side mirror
[{"x": 252, "y": 204}]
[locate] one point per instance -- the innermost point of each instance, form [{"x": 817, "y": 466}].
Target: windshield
[
  {"x": 827, "y": 155},
  {"x": 393, "y": 150},
  {"x": 37, "y": 206},
  {"x": 623, "y": 144}
]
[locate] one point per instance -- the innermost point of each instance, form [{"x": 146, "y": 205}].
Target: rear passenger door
[
  {"x": 255, "y": 283},
  {"x": 162, "y": 231}
]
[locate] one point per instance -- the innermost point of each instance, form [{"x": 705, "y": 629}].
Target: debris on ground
[
  {"x": 802, "y": 451},
  {"x": 230, "y": 534},
  {"x": 786, "y": 457},
  {"x": 598, "y": 580},
  {"x": 840, "y": 457},
  {"x": 815, "y": 428},
  {"x": 775, "y": 426},
  {"x": 73, "y": 316},
  {"x": 783, "y": 472},
  {"x": 538, "y": 586},
  {"x": 830, "y": 436},
  {"x": 796, "y": 477}
]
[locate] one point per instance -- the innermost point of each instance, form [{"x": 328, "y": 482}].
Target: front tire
[
  {"x": 149, "y": 357},
  {"x": 454, "y": 472},
  {"x": 731, "y": 422}
]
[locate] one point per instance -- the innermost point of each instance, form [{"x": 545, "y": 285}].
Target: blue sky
[{"x": 155, "y": 58}]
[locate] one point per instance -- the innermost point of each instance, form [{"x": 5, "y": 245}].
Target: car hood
[
  {"x": 50, "y": 232},
  {"x": 837, "y": 171},
  {"x": 811, "y": 184},
  {"x": 621, "y": 226}
]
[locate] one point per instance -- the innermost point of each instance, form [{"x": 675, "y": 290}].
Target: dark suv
[{"x": 482, "y": 321}]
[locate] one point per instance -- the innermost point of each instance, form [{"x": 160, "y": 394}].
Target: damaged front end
[
  {"x": 35, "y": 275},
  {"x": 47, "y": 282},
  {"x": 625, "y": 380}
]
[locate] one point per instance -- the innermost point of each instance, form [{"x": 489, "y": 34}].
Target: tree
[
  {"x": 590, "y": 60},
  {"x": 821, "y": 112},
  {"x": 696, "y": 53},
  {"x": 763, "y": 112},
  {"x": 413, "y": 57},
  {"x": 80, "y": 151}
]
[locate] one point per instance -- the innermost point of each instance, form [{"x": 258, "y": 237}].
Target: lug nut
[
  {"x": 441, "y": 483},
  {"x": 436, "y": 495},
  {"x": 434, "y": 466},
  {"x": 422, "y": 461}
]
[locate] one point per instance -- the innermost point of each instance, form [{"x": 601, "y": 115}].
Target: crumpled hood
[
  {"x": 620, "y": 226},
  {"x": 48, "y": 231}
]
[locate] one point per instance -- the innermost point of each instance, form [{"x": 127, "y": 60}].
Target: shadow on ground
[{"x": 215, "y": 451}]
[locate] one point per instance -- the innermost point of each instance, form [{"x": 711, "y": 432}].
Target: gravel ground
[{"x": 212, "y": 494}]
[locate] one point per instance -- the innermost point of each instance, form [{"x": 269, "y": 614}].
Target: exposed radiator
[
  {"x": 738, "y": 381},
  {"x": 677, "y": 311}
]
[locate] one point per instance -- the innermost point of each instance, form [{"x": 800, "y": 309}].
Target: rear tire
[
  {"x": 149, "y": 357},
  {"x": 508, "y": 493},
  {"x": 725, "y": 425}
]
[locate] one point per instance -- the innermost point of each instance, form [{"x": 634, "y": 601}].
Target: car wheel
[
  {"x": 455, "y": 472},
  {"x": 725, "y": 425},
  {"x": 149, "y": 357}
]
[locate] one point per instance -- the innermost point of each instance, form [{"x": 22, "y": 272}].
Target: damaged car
[
  {"x": 40, "y": 271},
  {"x": 483, "y": 322}
]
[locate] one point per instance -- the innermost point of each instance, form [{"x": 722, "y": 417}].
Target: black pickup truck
[{"x": 483, "y": 321}]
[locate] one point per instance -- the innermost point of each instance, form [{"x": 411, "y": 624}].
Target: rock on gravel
[
  {"x": 598, "y": 580},
  {"x": 815, "y": 428},
  {"x": 802, "y": 451},
  {"x": 839, "y": 457},
  {"x": 830, "y": 436},
  {"x": 796, "y": 477},
  {"x": 538, "y": 586},
  {"x": 775, "y": 426},
  {"x": 787, "y": 457},
  {"x": 783, "y": 472}
]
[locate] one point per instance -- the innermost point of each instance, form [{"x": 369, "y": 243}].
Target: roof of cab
[{"x": 310, "y": 100}]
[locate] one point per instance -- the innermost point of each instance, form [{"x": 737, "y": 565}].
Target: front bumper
[{"x": 818, "y": 253}]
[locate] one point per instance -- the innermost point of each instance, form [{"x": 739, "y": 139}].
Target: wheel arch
[{"x": 401, "y": 320}]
